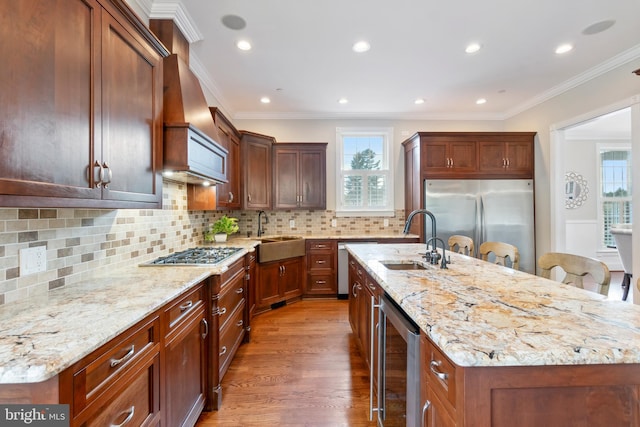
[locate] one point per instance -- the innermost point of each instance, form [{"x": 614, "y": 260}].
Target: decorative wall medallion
[{"x": 575, "y": 190}]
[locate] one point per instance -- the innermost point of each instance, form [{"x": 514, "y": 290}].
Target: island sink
[{"x": 404, "y": 265}]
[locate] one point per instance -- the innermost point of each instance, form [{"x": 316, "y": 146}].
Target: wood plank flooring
[{"x": 301, "y": 368}]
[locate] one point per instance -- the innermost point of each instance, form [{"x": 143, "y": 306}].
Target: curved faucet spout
[
  {"x": 443, "y": 263},
  {"x": 407, "y": 225}
]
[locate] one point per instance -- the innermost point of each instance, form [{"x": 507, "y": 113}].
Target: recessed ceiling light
[
  {"x": 563, "y": 48},
  {"x": 419, "y": 101},
  {"x": 265, "y": 100},
  {"x": 361, "y": 46},
  {"x": 233, "y": 22},
  {"x": 481, "y": 101},
  {"x": 243, "y": 45},
  {"x": 473, "y": 48},
  {"x": 343, "y": 101},
  {"x": 598, "y": 27}
]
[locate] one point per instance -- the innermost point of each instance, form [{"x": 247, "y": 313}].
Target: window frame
[
  {"x": 600, "y": 199},
  {"x": 386, "y": 169}
]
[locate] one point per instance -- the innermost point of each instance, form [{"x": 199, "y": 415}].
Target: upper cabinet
[
  {"x": 508, "y": 155},
  {"x": 228, "y": 194},
  {"x": 300, "y": 176},
  {"x": 449, "y": 155},
  {"x": 81, "y": 94},
  {"x": 256, "y": 177}
]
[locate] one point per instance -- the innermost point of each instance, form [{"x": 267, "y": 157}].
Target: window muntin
[{"x": 615, "y": 191}]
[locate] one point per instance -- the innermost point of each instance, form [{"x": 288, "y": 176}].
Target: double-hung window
[
  {"x": 615, "y": 205},
  {"x": 365, "y": 173}
]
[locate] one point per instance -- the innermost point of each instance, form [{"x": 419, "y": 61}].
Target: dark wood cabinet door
[
  {"x": 228, "y": 194},
  {"x": 292, "y": 278},
  {"x": 186, "y": 368},
  {"x": 131, "y": 107},
  {"x": 47, "y": 97},
  {"x": 435, "y": 156},
  {"x": 520, "y": 157},
  {"x": 463, "y": 156},
  {"x": 256, "y": 152},
  {"x": 507, "y": 156},
  {"x": 412, "y": 183},
  {"x": 268, "y": 286},
  {"x": 286, "y": 170},
  {"x": 448, "y": 156},
  {"x": 312, "y": 179}
]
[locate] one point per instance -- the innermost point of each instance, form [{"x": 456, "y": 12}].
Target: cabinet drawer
[
  {"x": 320, "y": 261},
  {"x": 232, "y": 294},
  {"x": 231, "y": 271},
  {"x": 315, "y": 245},
  {"x": 441, "y": 373},
  {"x": 102, "y": 371},
  {"x": 137, "y": 404},
  {"x": 182, "y": 306},
  {"x": 321, "y": 284},
  {"x": 230, "y": 337}
]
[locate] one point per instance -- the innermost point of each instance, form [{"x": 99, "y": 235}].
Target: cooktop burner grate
[{"x": 196, "y": 256}]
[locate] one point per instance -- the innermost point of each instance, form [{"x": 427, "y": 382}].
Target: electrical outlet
[
  {"x": 334, "y": 222},
  {"x": 33, "y": 260},
  {"x": 292, "y": 223},
  {"x": 386, "y": 222}
]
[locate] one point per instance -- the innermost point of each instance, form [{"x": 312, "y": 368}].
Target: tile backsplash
[{"x": 81, "y": 241}]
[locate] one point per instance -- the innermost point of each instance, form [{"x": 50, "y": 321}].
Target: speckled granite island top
[
  {"x": 42, "y": 336},
  {"x": 481, "y": 314}
]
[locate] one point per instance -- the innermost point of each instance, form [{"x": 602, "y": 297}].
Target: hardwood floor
[{"x": 301, "y": 368}]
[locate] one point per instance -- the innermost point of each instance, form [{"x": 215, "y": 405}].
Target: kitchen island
[{"x": 510, "y": 348}]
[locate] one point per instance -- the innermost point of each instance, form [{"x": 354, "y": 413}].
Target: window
[
  {"x": 365, "y": 181},
  {"x": 615, "y": 195}
]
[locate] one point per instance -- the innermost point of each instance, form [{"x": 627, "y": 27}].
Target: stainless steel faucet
[
  {"x": 433, "y": 257},
  {"x": 266, "y": 221}
]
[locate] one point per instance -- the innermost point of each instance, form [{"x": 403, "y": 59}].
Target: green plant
[{"x": 224, "y": 225}]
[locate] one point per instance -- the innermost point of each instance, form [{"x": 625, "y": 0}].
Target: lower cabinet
[
  {"x": 279, "y": 281},
  {"x": 185, "y": 363},
  {"x": 322, "y": 263}
]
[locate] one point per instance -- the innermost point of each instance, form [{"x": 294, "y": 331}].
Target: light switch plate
[
  {"x": 33, "y": 260},
  {"x": 386, "y": 222},
  {"x": 292, "y": 223},
  {"x": 334, "y": 223}
]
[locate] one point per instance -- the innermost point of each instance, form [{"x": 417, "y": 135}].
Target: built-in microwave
[{"x": 398, "y": 367}]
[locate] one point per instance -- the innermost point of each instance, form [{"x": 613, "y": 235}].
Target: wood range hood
[{"x": 191, "y": 149}]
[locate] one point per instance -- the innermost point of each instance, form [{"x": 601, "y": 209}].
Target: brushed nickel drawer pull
[
  {"x": 186, "y": 306},
  {"x": 131, "y": 411},
  {"x": 206, "y": 328},
  {"x": 239, "y": 290},
  {"x": 425, "y": 408},
  {"x": 321, "y": 282},
  {"x": 224, "y": 350},
  {"x": 222, "y": 311},
  {"x": 239, "y": 323},
  {"x": 116, "y": 362},
  {"x": 320, "y": 262},
  {"x": 433, "y": 366}
]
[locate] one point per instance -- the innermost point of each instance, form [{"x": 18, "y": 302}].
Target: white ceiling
[{"x": 302, "y": 57}]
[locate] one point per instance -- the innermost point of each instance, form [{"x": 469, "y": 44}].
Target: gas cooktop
[{"x": 195, "y": 256}]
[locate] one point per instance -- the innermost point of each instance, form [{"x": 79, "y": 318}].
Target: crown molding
[
  {"x": 176, "y": 11},
  {"x": 258, "y": 115},
  {"x": 615, "y": 62}
]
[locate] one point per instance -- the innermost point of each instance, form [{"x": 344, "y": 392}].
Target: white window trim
[{"x": 388, "y": 211}]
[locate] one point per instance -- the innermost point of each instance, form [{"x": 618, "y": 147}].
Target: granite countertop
[
  {"x": 481, "y": 314},
  {"x": 43, "y": 335}
]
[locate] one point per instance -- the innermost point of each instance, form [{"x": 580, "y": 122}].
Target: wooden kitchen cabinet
[
  {"x": 322, "y": 262},
  {"x": 450, "y": 156},
  {"x": 250, "y": 285},
  {"x": 228, "y": 303},
  {"x": 299, "y": 176},
  {"x": 186, "y": 340},
  {"x": 83, "y": 102},
  {"x": 507, "y": 156},
  {"x": 279, "y": 281},
  {"x": 228, "y": 194},
  {"x": 257, "y": 170}
]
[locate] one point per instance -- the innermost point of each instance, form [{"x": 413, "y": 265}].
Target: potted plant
[{"x": 221, "y": 228}]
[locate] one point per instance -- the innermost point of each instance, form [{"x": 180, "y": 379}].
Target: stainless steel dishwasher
[{"x": 343, "y": 266}]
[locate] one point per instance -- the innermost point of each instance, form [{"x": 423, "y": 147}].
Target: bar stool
[
  {"x": 575, "y": 268},
  {"x": 464, "y": 243},
  {"x": 501, "y": 251}
]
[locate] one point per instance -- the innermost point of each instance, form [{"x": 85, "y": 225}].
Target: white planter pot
[{"x": 220, "y": 237}]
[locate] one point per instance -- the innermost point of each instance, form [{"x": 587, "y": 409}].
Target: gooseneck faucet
[
  {"x": 266, "y": 221},
  {"x": 407, "y": 225},
  {"x": 432, "y": 256}
]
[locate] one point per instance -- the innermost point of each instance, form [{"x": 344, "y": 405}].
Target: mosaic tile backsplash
[{"x": 80, "y": 241}]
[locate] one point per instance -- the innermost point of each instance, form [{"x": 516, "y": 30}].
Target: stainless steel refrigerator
[{"x": 485, "y": 210}]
